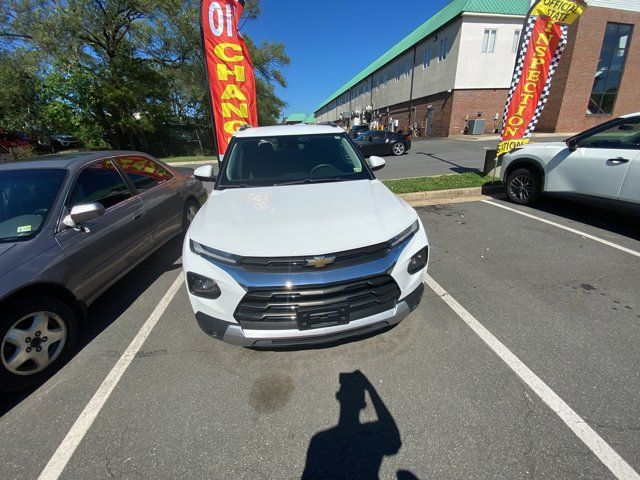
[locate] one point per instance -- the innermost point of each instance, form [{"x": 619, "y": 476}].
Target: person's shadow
[{"x": 354, "y": 450}]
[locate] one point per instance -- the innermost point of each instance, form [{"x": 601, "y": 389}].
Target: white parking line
[
  {"x": 601, "y": 449},
  {"x": 61, "y": 457},
  {"x": 569, "y": 229}
]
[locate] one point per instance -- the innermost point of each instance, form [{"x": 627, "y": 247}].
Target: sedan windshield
[
  {"x": 26, "y": 197},
  {"x": 290, "y": 160}
]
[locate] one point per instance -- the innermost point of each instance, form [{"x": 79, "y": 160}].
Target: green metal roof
[
  {"x": 311, "y": 118},
  {"x": 444, "y": 16},
  {"x": 296, "y": 117}
]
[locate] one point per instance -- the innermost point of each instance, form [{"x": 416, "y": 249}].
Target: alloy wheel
[
  {"x": 33, "y": 343},
  {"x": 192, "y": 210},
  {"x": 522, "y": 187},
  {"x": 398, "y": 149}
]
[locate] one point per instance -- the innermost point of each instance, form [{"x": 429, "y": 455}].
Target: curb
[{"x": 455, "y": 193}]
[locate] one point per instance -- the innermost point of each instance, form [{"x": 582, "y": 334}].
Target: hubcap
[
  {"x": 33, "y": 343},
  {"x": 522, "y": 187},
  {"x": 191, "y": 213},
  {"x": 398, "y": 149}
]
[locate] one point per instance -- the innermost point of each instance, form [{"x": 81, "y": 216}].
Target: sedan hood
[
  {"x": 301, "y": 219},
  {"x": 5, "y": 247}
]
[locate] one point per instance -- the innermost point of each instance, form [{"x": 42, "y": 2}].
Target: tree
[{"x": 115, "y": 70}]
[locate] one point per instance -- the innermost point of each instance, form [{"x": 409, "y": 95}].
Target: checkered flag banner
[{"x": 543, "y": 41}]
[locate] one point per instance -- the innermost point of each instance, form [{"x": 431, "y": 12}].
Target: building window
[
  {"x": 610, "y": 69},
  {"x": 444, "y": 46},
  {"x": 516, "y": 41},
  {"x": 427, "y": 58},
  {"x": 489, "y": 41}
]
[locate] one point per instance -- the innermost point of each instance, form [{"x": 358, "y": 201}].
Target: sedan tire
[
  {"x": 398, "y": 149},
  {"x": 523, "y": 186},
  {"x": 36, "y": 338},
  {"x": 190, "y": 210}
]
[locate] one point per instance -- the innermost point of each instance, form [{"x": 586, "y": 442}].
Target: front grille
[
  {"x": 297, "y": 264},
  {"x": 277, "y": 309}
]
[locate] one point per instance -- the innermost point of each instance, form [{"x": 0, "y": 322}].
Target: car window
[
  {"x": 377, "y": 136},
  {"x": 291, "y": 159},
  {"x": 144, "y": 172},
  {"x": 99, "y": 182},
  {"x": 26, "y": 198},
  {"x": 625, "y": 135}
]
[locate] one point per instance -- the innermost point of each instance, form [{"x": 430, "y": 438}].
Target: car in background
[
  {"x": 357, "y": 130},
  {"x": 70, "y": 226},
  {"x": 380, "y": 142},
  {"x": 300, "y": 244},
  {"x": 11, "y": 140},
  {"x": 64, "y": 142},
  {"x": 599, "y": 166}
]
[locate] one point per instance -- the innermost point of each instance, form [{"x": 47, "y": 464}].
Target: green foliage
[
  {"x": 441, "y": 182},
  {"x": 115, "y": 71}
]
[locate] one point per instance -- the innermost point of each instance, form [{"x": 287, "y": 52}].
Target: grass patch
[
  {"x": 191, "y": 159},
  {"x": 444, "y": 182}
]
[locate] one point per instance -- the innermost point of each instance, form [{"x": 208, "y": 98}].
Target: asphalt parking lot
[{"x": 446, "y": 394}]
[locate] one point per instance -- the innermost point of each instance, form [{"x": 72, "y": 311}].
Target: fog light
[
  {"x": 418, "y": 261},
  {"x": 202, "y": 286}
]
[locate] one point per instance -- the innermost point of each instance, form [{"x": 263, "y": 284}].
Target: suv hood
[{"x": 301, "y": 219}]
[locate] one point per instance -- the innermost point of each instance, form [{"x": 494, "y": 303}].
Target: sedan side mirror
[
  {"x": 205, "y": 173},
  {"x": 370, "y": 139},
  {"x": 376, "y": 163},
  {"x": 572, "y": 144},
  {"x": 81, "y": 214}
]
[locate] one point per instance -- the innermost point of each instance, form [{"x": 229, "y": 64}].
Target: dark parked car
[
  {"x": 71, "y": 226},
  {"x": 9, "y": 140},
  {"x": 358, "y": 130},
  {"x": 375, "y": 142},
  {"x": 64, "y": 142}
]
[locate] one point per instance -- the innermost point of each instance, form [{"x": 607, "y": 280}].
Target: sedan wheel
[
  {"x": 190, "y": 211},
  {"x": 398, "y": 149},
  {"x": 37, "y": 335},
  {"x": 523, "y": 186},
  {"x": 33, "y": 343}
]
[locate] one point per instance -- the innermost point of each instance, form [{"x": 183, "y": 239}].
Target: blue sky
[{"x": 330, "y": 41}]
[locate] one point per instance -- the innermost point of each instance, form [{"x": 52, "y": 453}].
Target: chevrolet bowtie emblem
[{"x": 320, "y": 262}]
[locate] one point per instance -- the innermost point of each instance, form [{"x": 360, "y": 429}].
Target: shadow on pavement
[
  {"x": 457, "y": 168},
  {"x": 354, "y": 450},
  {"x": 113, "y": 303},
  {"x": 598, "y": 217}
]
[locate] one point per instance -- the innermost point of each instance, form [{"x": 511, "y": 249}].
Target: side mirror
[
  {"x": 376, "y": 163},
  {"x": 205, "y": 173},
  {"x": 572, "y": 144},
  {"x": 370, "y": 139},
  {"x": 81, "y": 214}
]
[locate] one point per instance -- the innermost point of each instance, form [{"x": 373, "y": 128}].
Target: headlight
[
  {"x": 202, "y": 286},
  {"x": 398, "y": 239},
  {"x": 418, "y": 261},
  {"x": 213, "y": 254}
]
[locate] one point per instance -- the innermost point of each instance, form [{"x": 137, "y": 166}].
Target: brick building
[{"x": 458, "y": 66}]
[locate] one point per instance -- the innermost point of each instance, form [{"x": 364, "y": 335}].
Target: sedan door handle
[
  {"x": 618, "y": 160},
  {"x": 138, "y": 215}
]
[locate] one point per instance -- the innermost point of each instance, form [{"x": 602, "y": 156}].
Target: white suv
[{"x": 299, "y": 243}]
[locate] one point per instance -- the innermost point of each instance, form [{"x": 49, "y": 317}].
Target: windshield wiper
[
  {"x": 241, "y": 185},
  {"x": 309, "y": 181}
]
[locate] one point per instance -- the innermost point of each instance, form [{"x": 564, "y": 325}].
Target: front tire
[
  {"x": 523, "y": 186},
  {"x": 36, "y": 338},
  {"x": 398, "y": 149}
]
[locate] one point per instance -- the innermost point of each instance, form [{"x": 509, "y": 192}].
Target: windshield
[
  {"x": 290, "y": 160},
  {"x": 26, "y": 197}
]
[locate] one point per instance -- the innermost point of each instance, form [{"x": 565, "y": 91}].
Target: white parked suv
[
  {"x": 601, "y": 166},
  {"x": 299, "y": 243}
]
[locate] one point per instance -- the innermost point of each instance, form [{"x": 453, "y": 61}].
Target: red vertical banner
[
  {"x": 232, "y": 84},
  {"x": 543, "y": 42}
]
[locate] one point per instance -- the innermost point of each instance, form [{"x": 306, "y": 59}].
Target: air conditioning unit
[{"x": 476, "y": 127}]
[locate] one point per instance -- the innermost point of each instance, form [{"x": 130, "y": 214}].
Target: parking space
[{"x": 440, "y": 402}]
